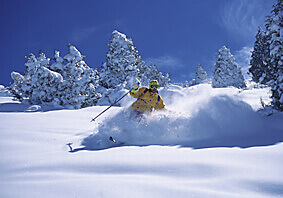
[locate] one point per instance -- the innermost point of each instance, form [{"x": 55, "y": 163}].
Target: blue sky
[{"x": 175, "y": 35}]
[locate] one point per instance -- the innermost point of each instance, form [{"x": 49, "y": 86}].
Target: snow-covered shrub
[
  {"x": 39, "y": 84},
  {"x": 73, "y": 84},
  {"x": 250, "y": 84},
  {"x": 16, "y": 87},
  {"x": 227, "y": 72},
  {"x": 4, "y": 91}
]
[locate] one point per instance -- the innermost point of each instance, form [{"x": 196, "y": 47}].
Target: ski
[{"x": 113, "y": 140}]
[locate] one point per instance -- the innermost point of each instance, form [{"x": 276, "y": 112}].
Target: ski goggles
[{"x": 153, "y": 86}]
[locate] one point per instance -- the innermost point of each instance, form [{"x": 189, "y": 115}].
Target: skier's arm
[{"x": 137, "y": 93}]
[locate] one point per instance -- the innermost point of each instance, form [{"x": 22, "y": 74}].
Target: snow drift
[{"x": 197, "y": 117}]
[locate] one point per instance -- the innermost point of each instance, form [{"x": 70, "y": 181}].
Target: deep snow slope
[
  {"x": 195, "y": 117},
  {"x": 209, "y": 143}
]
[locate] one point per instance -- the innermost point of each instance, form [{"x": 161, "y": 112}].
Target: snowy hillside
[{"x": 208, "y": 143}]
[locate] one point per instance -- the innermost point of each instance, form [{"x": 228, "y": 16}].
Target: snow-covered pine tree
[
  {"x": 58, "y": 64},
  {"x": 44, "y": 85},
  {"x": 201, "y": 75},
  {"x": 32, "y": 66},
  {"x": 80, "y": 81},
  {"x": 122, "y": 62},
  {"x": 73, "y": 84},
  {"x": 274, "y": 29},
  {"x": 260, "y": 53},
  {"x": 227, "y": 72},
  {"x": 43, "y": 60},
  {"x": 144, "y": 72},
  {"x": 39, "y": 84},
  {"x": 145, "y": 75},
  {"x": 163, "y": 80},
  {"x": 151, "y": 73},
  {"x": 274, "y": 32},
  {"x": 277, "y": 92}
]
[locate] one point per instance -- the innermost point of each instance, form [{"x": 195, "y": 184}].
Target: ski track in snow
[{"x": 210, "y": 143}]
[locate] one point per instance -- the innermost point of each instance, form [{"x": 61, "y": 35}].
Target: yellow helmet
[{"x": 154, "y": 83}]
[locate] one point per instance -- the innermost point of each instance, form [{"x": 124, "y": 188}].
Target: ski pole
[{"x": 110, "y": 106}]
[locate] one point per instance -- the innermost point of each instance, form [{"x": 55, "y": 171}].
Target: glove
[{"x": 135, "y": 88}]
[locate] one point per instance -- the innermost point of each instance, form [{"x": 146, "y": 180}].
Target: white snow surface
[{"x": 208, "y": 143}]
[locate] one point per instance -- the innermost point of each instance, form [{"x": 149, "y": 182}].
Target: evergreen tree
[
  {"x": 44, "y": 85},
  {"x": 227, "y": 72},
  {"x": 274, "y": 27},
  {"x": 39, "y": 84},
  {"x": 259, "y": 68},
  {"x": 122, "y": 62},
  {"x": 73, "y": 84},
  {"x": 201, "y": 75},
  {"x": 43, "y": 61},
  {"x": 153, "y": 74},
  {"x": 277, "y": 92},
  {"x": 58, "y": 64},
  {"x": 80, "y": 81},
  {"x": 32, "y": 66},
  {"x": 145, "y": 74},
  {"x": 274, "y": 41}
]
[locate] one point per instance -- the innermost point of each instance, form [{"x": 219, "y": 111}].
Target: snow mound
[
  {"x": 4, "y": 92},
  {"x": 195, "y": 117},
  {"x": 34, "y": 108}
]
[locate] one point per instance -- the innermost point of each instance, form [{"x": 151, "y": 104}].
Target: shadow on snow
[{"x": 15, "y": 107}]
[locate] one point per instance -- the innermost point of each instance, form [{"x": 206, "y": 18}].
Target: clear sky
[{"x": 175, "y": 35}]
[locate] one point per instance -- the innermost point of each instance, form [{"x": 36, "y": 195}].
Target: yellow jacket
[{"x": 147, "y": 100}]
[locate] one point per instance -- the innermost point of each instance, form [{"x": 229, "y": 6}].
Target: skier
[{"x": 147, "y": 99}]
